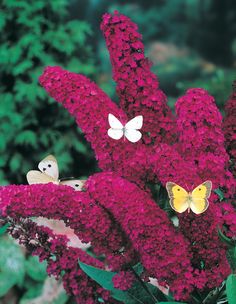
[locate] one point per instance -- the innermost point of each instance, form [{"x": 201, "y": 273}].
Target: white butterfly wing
[
  {"x": 114, "y": 122},
  {"x": 37, "y": 177},
  {"x": 115, "y": 134},
  {"x": 131, "y": 129},
  {"x": 74, "y": 183},
  {"x": 49, "y": 166},
  {"x": 133, "y": 135},
  {"x": 117, "y": 129},
  {"x": 135, "y": 123}
]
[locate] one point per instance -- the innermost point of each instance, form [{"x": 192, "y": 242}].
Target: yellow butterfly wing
[
  {"x": 199, "y": 197},
  {"x": 178, "y": 197}
]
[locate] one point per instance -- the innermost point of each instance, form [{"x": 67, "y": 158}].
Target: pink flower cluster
[
  {"x": 148, "y": 228},
  {"x": 116, "y": 212},
  {"x": 201, "y": 230},
  {"x": 60, "y": 258},
  {"x": 137, "y": 86},
  {"x": 201, "y": 139},
  {"x": 81, "y": 97},
  {"x": 90, "y": 221}
]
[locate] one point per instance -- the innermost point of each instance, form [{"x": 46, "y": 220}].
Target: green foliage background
[
  {"x": 36, "y": 34},
  {"x": 200, "y": 34}
]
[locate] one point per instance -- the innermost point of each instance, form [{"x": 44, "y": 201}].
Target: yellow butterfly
[
  {"x": 49, "y": 173},
  {"x": 181, "y": 200}
]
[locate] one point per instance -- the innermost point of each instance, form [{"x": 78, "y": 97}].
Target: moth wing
[
  {"x": 178, "y": 197},
  {"x": 115, "y": 133},
  {"x": 37, "y": 177},
  {"x": 135, "y": 124},
  {"x": 133, "y": 135},
  {"x": 49, "y": 166},
  {"x": 199, "y": 197},
  {"x": 114, "y": 122},
  {"x": 74, "y": 183}
]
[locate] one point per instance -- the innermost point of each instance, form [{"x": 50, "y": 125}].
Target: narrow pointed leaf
[
  {"x": 104, "y": 278},
  {"x": 171, "y": 303},
  {"x": 231, "y": 288}
]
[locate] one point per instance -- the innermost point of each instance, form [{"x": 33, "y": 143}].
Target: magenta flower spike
[
  {"x": 202, "y": 139},
  {"x": 137, "y": 87},
  {"x": 116, "y": 212},
  {"x": 201, "y": 142},
  {"x": 83, "y": 99},
  {"x": 60, "y": 257}
]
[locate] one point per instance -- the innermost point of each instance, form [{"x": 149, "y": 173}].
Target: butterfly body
[
  {"x": 130, "y": 130},
  {"x": 189, "y": 201},
  {"x": 182, "y": 200},
  {"x": 49, "y": 173}
]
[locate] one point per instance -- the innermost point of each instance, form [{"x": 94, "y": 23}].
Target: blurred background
[{"x": 192, "y": 43}]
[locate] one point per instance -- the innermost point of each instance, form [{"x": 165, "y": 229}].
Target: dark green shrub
[{"x": 35, "y": 34}]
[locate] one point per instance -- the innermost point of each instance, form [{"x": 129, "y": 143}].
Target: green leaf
[
  {"x": 15, "y": 55},
  {"x": 220, "y": 194},
  {"x": 3, "y": 229},
  {"x": 35, "y": 269},
  {"x": 15, "y": 162},
  {"x": 136, "y": 294},
  {"x": 171, "y": 303},
  {"x": 2, "y": 20},
  {"x": 22, "y": 67},
  {"x": 7, "y": 281},
  {"x": 104, "y": 278},
  {"x": 225, "y": 239},
  {"x": 27, "y": 137},
  {"x": 32, "y": 293},
  {"x": 80, "y": 147},
  {"x": 138, "y": 268},
  {"x": 12, "y": 260},
  {"x": 231, "y": 289},
  {"x": 231, "y": 256}
]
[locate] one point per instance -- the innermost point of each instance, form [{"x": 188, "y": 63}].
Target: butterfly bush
[
  {"x": 116, "y": 212},
  {"x": 137, "y": 87}
]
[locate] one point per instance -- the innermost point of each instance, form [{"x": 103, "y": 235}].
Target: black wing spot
[
  {"x": 44, "y": 169},
  {"x": 199, "y": 189},
  {"x": 49, "y": 166},
  {"x": 178, "y": 189}
]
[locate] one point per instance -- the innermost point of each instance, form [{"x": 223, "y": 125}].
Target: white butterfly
[
  {"x": 50, "y": 174},
  {"x": 129, "y": 130}
]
